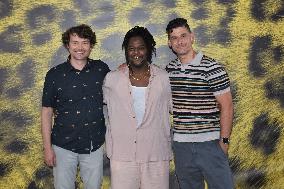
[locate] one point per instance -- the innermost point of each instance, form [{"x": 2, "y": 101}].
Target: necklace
[{"x": 142, "y": 76}]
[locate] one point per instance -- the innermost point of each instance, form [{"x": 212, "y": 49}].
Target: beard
[{"x": 137, "y": 63}]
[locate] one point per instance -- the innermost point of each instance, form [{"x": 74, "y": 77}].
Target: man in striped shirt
[{"x": 202, "y": 113}]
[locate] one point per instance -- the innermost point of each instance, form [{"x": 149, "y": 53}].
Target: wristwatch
[{"x": 225, "y": 140}]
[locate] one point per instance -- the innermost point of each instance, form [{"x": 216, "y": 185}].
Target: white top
[{"x": 138, "y": 95}]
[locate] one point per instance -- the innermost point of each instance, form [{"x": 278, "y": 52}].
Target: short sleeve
[
  {"x": 218, "y": 79},
  {"x": 107, "y": 68},
  {"x": 49, "y": 94},
  {"x": 104, "y": 66}
]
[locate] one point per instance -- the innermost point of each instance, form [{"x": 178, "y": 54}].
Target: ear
[
  {"x": 169, "y": 44},
  {"x": 192, "y": 37}
]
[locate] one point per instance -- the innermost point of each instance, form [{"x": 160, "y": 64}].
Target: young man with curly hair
[{"x": 73, "y": 101}]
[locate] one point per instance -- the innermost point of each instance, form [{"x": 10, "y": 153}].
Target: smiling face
[
  {"x": 79, "y": 48},
  {"x": 181, "y": 40},
  {"x": 136, "y": 52}
]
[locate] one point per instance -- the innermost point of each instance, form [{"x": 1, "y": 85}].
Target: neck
[
  {"x": 139, "y": 69},
  {"x": 139, "y": 75},
  {"x": 187, "y": 58},
  {"x": 78, "y": 64}
]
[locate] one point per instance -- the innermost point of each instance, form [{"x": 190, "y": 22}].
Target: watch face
[{"x": 225, "y": 140}]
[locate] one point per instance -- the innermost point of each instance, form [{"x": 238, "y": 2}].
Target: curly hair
[
  {"x": 83, "y": 31},
  {"x": 177, "y": 22},
  {"x": 147, "y": 37}
]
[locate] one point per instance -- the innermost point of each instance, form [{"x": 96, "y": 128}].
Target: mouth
[
  {"x": 137, "y": 59},
  {"x": 80, "y": 53}
]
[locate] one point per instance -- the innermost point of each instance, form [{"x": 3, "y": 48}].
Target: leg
[
  {"x": 124, "y": 175},
  {"x": 91, "y": 169},
  {"x": 66, "y": 168},
  {"x": 215, "y": 166},
  {"x": 188, "y": 173},
  {"x": 155, "y": 175}
]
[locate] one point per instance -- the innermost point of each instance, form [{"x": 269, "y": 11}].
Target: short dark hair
[
  {"x": 147, "y": 37},
  {"x": 83, "y": 31},
  {"x": 177, "y": 22}
]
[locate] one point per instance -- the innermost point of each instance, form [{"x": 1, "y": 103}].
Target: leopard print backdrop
[{"x": 247, "y": 36}]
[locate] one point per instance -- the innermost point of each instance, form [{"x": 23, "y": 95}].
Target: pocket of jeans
[{"x": 220, "y": 149}]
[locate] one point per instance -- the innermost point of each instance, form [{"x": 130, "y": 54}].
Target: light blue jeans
[{"x": 91, "y": 168}]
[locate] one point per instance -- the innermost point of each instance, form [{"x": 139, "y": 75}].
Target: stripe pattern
[{"x": 194, "y": 86}]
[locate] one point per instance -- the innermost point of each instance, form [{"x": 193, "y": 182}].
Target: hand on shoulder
[{"x": 122, "y": 66}]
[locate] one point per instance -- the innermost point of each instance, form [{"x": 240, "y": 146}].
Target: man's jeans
[
  {"x": 91, "y": 168},
  {"x": 199, "y": 161}
]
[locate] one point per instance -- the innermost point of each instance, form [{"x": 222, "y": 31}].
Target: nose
[
  {"x": 135, "y": 50},
  {"x": 179, "y": 40},
  {"x": 80, "y": 46}
]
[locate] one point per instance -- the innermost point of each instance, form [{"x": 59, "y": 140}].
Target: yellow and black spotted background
[{"x": 247, "y": 36}]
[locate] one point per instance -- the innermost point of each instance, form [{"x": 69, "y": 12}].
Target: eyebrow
[
  {"x": 138, "y": 45},
  {"x": 85, "y": 40}
]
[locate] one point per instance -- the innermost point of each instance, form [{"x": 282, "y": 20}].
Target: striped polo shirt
[{"x": 196, "y": 115}]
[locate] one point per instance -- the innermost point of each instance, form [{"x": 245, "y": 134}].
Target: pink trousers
[{"x": 133, "y": 175}]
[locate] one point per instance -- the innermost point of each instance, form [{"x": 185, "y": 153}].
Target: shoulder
[
  {"x": 172, "y": 63},
  {"x": 114, "y": 77},
  {"x": 210, "y": 64},
  {"x": 115, "y": 74},
  {"x": 158, "y": 70},
  {"x": 99, "y": 64},
  {"x": 55, "y": 72},
  {"x": 57, "y": 69},
  {"x": 206, "y": 60},
  {"x": 160, "y": 73}
]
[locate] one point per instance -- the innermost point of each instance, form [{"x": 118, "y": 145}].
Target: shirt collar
[
  {"x": 195, "y": 61},
  {"x": 69, "y": 67}
]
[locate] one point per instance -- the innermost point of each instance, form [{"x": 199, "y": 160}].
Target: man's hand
[
  {"x": 122, "y": 66},
  {"x": 224, "y": 147},
  {"x": 46, "y": 122},
  {"x": 49, "y": 157}
]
